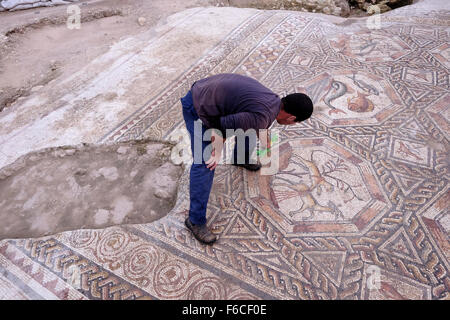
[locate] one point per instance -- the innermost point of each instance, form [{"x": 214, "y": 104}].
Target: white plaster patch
[
  {"x": 133, "y": 173},
  {"x": 122, "y": 207},
  {"x": 110, "y": 173},
  {"x": 123, "y": 149},
  {"x": 101, "y": 217}
]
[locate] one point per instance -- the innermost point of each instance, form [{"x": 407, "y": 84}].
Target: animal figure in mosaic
[
  {"x": 335, "y": 210},
  {"x": 339, "y": 165},
  {"x": 360, "y": 103},
  {"x": 367, "y": 47},
  {"x": 419, "y": 74},
  {"x": 342, "y": 44},
  {"x": 389, "y": 292},
  {"x": 364, "y": 86},
  {"x": 339, "y": 89},
  {"x": 403, "y": 149},
  {"x": 305, "y": 191},
  {"x": 320, "y": 182}
]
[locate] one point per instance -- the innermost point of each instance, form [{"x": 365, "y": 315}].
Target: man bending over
[{"x": 229, "y": 101}]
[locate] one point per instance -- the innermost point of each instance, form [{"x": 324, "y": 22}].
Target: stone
[
  {"x": 109, "y": 173},
  {"x": 344, "y": 7},
  {"x": 36, "y": 88},
  {"x": 383, "y": 5},
  {"x": 162, "y": 193},
  {"x": 123, "y": 149},
  {"x": 70, "y": 152},
  {"x": 80, "y": 172},
  {"x": 3, "y": 38},
  {"x": 141, "y": 21}
]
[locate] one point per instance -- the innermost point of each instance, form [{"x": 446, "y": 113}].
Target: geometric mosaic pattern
[{"x": 362, "y": 186}]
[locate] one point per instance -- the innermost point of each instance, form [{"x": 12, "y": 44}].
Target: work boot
[
  {"x": 249, "y": 166},
  {"x": 201, "y": 232}
]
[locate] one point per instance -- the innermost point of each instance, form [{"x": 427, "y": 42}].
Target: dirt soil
[
  {"x": 36, "y": 46},
  {"x": 87, "y": 186}
]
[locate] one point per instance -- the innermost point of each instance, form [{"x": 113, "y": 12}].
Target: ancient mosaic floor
[{"x": 362, "y": 189}]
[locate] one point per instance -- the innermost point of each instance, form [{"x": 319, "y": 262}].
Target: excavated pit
[
  {"x": 35, "y": 53},
  {"x": 87, "y": 186}
]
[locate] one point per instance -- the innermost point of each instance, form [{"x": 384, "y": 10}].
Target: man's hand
[{"x": 217, "y": 144}]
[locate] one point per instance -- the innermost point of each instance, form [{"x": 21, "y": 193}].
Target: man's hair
[{"x": 299, "y": 105}]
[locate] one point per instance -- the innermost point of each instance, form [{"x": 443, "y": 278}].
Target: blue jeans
[{"x": 201, "y": 178}]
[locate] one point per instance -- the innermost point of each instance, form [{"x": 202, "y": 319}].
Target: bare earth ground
[
  {"x": 40, "y": 48},
  {"x": 93, "y": 187},
  {"x": 362, "y": 189}
]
